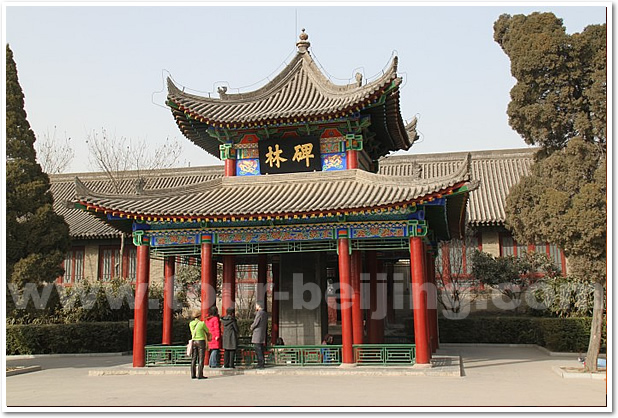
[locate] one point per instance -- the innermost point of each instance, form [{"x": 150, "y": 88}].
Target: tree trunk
[
  {"x": 122, "y": 255},
  {"x": 596, "y": 327}
]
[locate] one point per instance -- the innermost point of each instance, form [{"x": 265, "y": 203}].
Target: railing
[
  {"x": 384, "y": 354},
  {"x": 307, "y": 355},
  {"x": 166, "y": 355},
  {"x": 292, "y": 355}
]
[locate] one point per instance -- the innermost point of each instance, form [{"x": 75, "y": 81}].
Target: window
[
  {"x": 455, "y": 257},
  {"x": 246, "y": 273},
  {"x": 109, "y": 263},
  {"x": 510, "y": 247},
  {"x": 554, "y": 253},
  {"x": 73, "y": 266},
  {"x": 130, "y": 263}
]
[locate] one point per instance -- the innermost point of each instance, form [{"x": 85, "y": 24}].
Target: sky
[{"x": 87, "y": 67}]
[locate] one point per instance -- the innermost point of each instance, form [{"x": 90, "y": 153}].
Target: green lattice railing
[
  {"x": 292, "y": 355},
  {"x": 307, "y": 355},
  {"x": 384, "y": 354}
]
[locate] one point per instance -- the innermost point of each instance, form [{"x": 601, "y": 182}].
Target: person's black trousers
[
  {"x": 228, "y": 358},
  {"x": 259, "y": 351},
  {"x": 197, "y": 358}
]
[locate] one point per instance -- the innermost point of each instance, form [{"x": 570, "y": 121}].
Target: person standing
[
  {"x": 214, "y": 326},
  {"x": 230, "y": 338},
  {"x": 199, "y": 336},
  {"x": 258, "y": 338}
]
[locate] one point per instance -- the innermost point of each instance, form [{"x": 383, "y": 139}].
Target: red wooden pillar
[
  {"x": 230, "y": 167},
  {"x": 274, "y": 333},
  {"x": 352, "y": 159},
  {"x": 208, "y": 278},
  {"x": 353, "y": 145},
  {"x": 169, "y": 267},
  {"x": 140, "y": 311},
  {"x": 261, "y": 279},
  {"x": 419, "y": 300},
  {"x": 390, "y": 282},
  {"x": 357, "y": 313},
  {"x": 347, "y": 352},
  {"x": 228, "y": 293}
]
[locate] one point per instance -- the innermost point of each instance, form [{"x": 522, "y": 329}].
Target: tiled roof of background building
[
  {"x": 83, "y": 225},
  {"x": 497, "y": 171}
]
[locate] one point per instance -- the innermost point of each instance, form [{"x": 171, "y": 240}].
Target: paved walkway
[{"x": 492, "y": 376}]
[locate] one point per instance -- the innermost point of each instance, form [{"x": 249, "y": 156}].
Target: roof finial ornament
[
  {"x": 359, "y": 79},
  {"x": 303, "y": 45}
]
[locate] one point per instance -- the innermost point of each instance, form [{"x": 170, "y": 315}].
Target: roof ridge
[{"x": 449, "y": 156}]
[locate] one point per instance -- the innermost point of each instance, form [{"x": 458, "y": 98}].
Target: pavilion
[{"x": 301, "y": 186}]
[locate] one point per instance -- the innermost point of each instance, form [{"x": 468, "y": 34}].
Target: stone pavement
[{"x": 496, "y": 376}]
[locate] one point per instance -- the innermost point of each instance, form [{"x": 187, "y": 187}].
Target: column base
[
  {"x": 347, "y": 365},
  {"x": 422, "y": 366}
]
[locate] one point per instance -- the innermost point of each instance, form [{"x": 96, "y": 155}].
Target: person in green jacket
[{"x": 199, "y": 336}]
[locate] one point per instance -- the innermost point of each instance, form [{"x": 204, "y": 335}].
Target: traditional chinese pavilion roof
[
  {"x": 300, "y": 93},
  {"x": 285, "y": 195},
  {"x": 497, "y": 171}
]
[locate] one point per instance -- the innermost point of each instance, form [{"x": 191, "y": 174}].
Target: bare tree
[
  {"x": 54, "y": 154},
  {"x": 457, "y": 288},
  {"x": 115, "y": 155}
]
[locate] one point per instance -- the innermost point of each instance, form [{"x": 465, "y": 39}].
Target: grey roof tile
[
  {"x": 497, "y": 172},
  {"x": 274, "y": 194}
]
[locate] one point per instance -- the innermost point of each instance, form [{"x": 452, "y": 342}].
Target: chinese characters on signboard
[{"x": 289, "y": 155}]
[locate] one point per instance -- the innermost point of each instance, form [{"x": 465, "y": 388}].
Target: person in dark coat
[
  {"x": 258, "y": 338},
  {"x": 230, "y": 338}
]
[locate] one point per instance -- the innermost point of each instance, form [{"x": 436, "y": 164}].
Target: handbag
[{"x": 190, "y": 345}]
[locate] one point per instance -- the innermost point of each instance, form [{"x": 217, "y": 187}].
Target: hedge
[
  {"x": 92, "y": 337},
  {"x": 555, "y": 334}
]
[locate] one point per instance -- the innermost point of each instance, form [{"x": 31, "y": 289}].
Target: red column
[
  {"x": 357, "y": 313},
  {"x": 230, "y": 167},
  {"x": 352, "y": 159},
  {"x": 208, "y": 280},
  {"x": 228, "y": 293},
  {"x": 347, "y": 353},
  {"x": 419, "y": 300},
  {"x": 140, "y": 311},
  {"x": 261, "y": 279},
  {"x": 381, "y": 302},
  {"x": 275, "y": 305},
  {"x": 169, "y": 267}
]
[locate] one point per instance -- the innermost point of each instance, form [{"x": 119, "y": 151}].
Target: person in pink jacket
[{"x": 214, "y": 326}]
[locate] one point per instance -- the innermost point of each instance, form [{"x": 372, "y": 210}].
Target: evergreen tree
[
  {"x": 561, "y": 89},
  {"x": 37, "y": 239},
  {"x": 559, "y": 103}
]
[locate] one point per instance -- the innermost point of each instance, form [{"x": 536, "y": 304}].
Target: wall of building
[
  {"x": 490, "y": 241},
  {"x": 300, "y": 323},
  {"x": 91, "y": 260}
]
